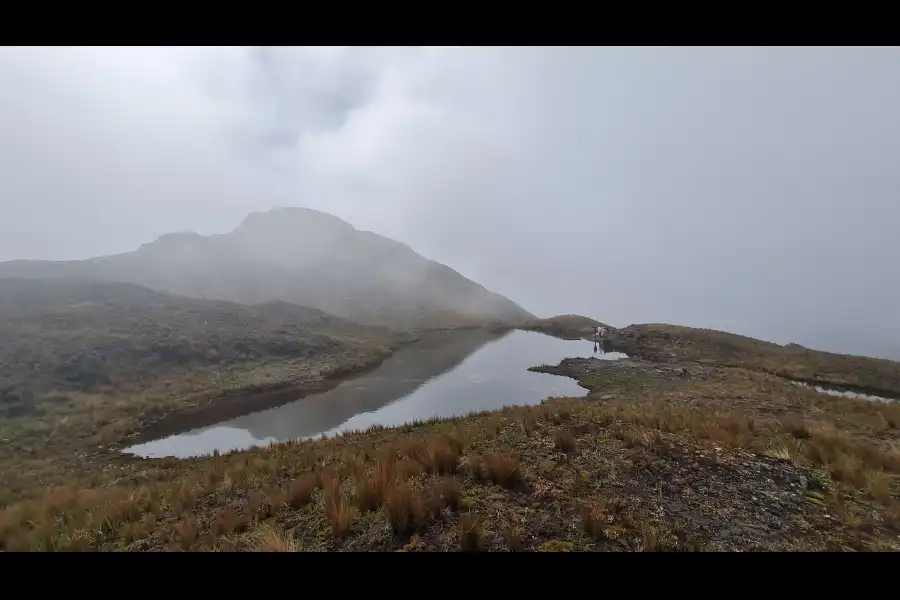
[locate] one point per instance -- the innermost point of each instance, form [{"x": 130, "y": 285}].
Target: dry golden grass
[
  {"x": 441, "y": 456},
  {"x": 892, "y": 515},
  {"x": 268, "y": 538},
  {"x": 229, "y": 521},
  {"x": 513, "y": 537},
  {"x": 592, "y": 516},
  {"x": 299, "y": 492},
  {"x": 642, "y": 471},
  {"x": 338, "y": 510},
  {"x": 186, "y": 532},
  {"x": 470, "y": 530},
  {"x": 502, "y": 470},
  {"x": 194, "y": 502},
  {"x": 848, "y": 458},
  {"x": 372, "y": 491},
  {"x": 443, "y": 494},
  {"x": 564, "y": 440},
  {"x": 404, "y": 508}
]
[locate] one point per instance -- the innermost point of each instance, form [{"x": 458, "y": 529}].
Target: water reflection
[
  {"x": 445, "y": 374},
  {"x": 604, "y": 347}
]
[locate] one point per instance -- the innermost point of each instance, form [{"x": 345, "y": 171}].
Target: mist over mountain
[{"x": 302, "y": 256}]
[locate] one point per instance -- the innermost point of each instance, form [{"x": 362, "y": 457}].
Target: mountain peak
[
  {"x": 302, "y": 256},
  {"x": 177, "y": 238},
  {"x": 293, "y": 216}
]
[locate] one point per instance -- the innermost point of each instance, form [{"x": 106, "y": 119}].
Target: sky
[{"x": 753, "y": 190}]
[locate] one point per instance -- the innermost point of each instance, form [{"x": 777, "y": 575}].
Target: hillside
[
  {"x": 699, "y": 441},
  {"x": 70, "y": 335},
  {"x": 92, "y": 361},
  {"x": 564, "y": 326},
  {"x": 301, "y": 256},
  {"x": 669, "y": 343},
  {"x": 691, "y": 445}
]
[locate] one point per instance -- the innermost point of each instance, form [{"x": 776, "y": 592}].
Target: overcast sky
[{"x": 747, "y": 189}]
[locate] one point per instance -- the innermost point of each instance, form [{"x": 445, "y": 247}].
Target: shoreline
[
  {"x": 669, "y": 454},
  {"x": 238, "y": 403},
  {"x": 244, "y": 402},
  {"x": 840, "y": 387}
]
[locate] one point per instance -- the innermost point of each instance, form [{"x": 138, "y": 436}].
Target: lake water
[
  {"x": 443, "y": 375},
  {"x": 842, "y": 393}
]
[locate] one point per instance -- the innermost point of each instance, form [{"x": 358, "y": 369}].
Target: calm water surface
[
  {"x": 843, "y": 393},
  {"x": 443, "y": 375}
]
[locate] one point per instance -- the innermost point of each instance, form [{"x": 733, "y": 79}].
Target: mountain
[{"x": 301, "y": 256}]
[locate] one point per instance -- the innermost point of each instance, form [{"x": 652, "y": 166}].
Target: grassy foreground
[{"x": 694, "y": 445}]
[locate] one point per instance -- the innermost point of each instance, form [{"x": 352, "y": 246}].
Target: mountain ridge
[{"x": 302, "y": 256}]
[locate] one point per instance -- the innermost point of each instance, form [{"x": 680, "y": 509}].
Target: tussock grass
[{"x": 662, "y": 464}]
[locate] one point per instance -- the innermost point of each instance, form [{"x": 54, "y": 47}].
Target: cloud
[{"x": 750, "y": 189}]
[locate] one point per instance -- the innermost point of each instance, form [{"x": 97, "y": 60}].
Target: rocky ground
[{"x": 668, "y": 451}]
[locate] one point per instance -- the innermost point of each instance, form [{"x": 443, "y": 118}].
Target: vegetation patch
[{"x": 692, "y": 446}]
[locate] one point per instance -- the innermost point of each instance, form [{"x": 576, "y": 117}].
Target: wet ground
[{"x": 833, "y": 391}]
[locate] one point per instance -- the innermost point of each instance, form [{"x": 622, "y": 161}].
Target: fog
[{"x": 746, "y": 189}]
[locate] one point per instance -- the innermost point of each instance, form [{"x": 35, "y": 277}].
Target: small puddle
[
  {"x": 448, "y": 375},
  {"x": 842, "y": 393}
]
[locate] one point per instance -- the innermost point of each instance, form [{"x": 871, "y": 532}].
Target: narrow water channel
[{"x": 842, "y": 393}]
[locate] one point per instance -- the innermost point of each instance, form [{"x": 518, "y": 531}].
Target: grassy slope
[
  {"x": 675, "y": 455},
  {"x": 93, "y": 362},
  {"x": 662, "y": 342},
  {"x": 565, "y": 326},
  {"x": 665, "y": 342}
]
